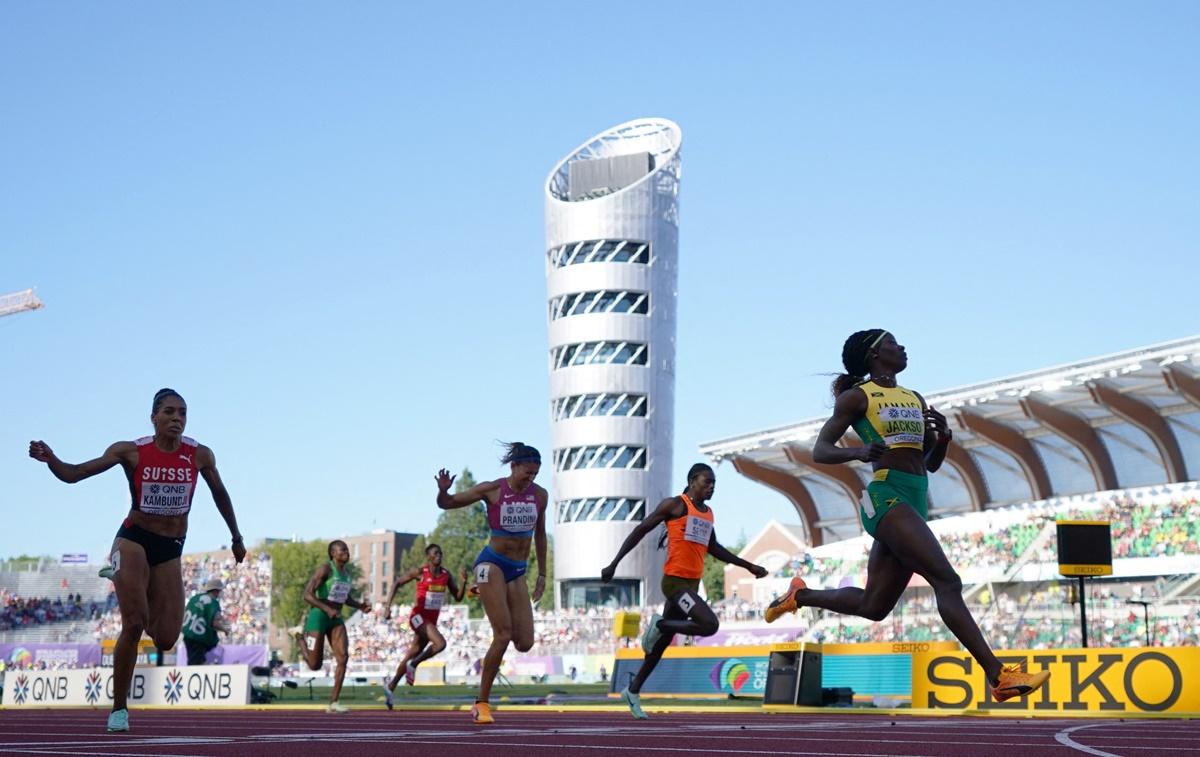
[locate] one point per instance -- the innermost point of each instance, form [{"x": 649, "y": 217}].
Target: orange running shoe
[
  {"x": 1015, "y": 682},
  {"x": 481, "y": 714},
  {"x": 786, "y": 603}
]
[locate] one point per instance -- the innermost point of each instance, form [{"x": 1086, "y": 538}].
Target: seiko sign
[{"x": 1081, "y": 680}]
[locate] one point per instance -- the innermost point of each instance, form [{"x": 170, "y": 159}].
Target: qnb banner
[
  {"x": 1101, "y": 681},
  {"x": 206, "y": 686}
]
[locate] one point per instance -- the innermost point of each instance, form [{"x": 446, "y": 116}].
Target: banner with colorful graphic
[
  {"x": 699, "y": 671},
  {"x": 1109, "y": 681},
  {"x": 206, "y": 686}
]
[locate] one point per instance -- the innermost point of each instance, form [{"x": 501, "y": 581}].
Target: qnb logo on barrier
[
  {"x": 91, "y": 687},
  {"x": 1081, "y": 680},
  {"x": 21, "y": 689},
  {"x": 730, "y": 675},
  {"x": 173, "y": 687}
]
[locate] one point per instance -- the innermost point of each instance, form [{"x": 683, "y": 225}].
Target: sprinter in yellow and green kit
[{"x": 904, "y": 440}]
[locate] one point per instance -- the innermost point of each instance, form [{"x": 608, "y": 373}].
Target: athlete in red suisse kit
[
  {"x": 433, "y": 584},
  {"x": 162, "y": 470}
]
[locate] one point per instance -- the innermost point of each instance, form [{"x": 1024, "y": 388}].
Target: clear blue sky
[{"x": 323, "y": 224}]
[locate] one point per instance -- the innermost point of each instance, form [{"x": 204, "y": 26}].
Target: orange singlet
[{"x": 687, "y": 541}]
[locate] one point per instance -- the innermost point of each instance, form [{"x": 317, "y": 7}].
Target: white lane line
[{"x": 1064, "y": 737}]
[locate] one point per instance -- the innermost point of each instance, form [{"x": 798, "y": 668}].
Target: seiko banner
[
  {"x": 197, "y": 686},
  {"x": 1101, "y": 681}
]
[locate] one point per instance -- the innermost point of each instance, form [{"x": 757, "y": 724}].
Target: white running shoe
[
  {"x": 635, "y": 704},
  {"x": 652, "y": 634},
  {"x": 410, "y": 674},
  {"x": 337, "y": 707},
  {"x": 118, "y": 721}
]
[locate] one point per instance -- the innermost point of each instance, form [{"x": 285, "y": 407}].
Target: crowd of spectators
[
  {"x": 996, "y": 542},
  {"x": 19, "y": 613},
  {"x": 245, "y": 600}
]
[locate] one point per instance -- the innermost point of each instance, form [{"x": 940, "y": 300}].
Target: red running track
[{"x": 374, "y": 733}]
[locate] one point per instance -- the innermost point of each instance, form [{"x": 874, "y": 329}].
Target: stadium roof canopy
[{"x": 1123, "y": 420}]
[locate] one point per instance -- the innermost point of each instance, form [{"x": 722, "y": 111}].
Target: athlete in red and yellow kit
[
  {"x": 690, "y": 536},
  {"x": 163, "y": 471},
  {"x": 433, "y": 584}
]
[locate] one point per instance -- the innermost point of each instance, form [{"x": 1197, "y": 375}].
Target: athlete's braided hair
[
  {"x": 161, "y": 395},
  {"x": 854, "y": 358}
]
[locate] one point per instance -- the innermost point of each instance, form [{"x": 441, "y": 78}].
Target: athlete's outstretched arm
[
  {"x": 850, "y": 404},
  {"x": 937, "y": 437},
  {"x": 477, "y": 493},
  {"x": 669, "y": 509},
  {"x": 119, "y": 452},
  {"x": 539, "y": 544},
  {"x": 717, "y": 550},
  {"x": 206, "y": 461},
  {"x": 403, "y": 578}
]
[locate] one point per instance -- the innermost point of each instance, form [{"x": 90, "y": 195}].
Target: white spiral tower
[{"x": 612, "y": 253}]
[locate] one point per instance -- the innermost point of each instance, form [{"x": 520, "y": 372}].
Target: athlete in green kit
[
  {"x": 327, "y": 590},
  {"x": 201, "y": 620}
]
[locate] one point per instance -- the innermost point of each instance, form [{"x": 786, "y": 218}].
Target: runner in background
[{"x": 433, "y": 584}]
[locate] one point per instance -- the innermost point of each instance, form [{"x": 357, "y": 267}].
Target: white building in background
[{"x": 612, "y": 252}]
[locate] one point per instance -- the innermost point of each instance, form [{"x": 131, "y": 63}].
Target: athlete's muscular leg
[
  {"x": 313, "y": 649},
  {"x": 415, "y": 647},
  {"x": 165, "y": 598},
  {"x": 131, "y": 580},
  {"x": 339, "y": 645},
  {"x": 914, "y": 545},
  {"x": 886, "y": 580},
  {"x": 520, "y": 609},
  {"x": 697, "y": 618},
  {"x": 436, "y": 644},
  {"x": 684, "y": 613},
  {"x": 494, "y": 594}
]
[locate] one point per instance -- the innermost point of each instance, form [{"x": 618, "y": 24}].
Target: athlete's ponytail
[
  {"x": 854, "y": 358},
  {"x": 519, "y": 452}
]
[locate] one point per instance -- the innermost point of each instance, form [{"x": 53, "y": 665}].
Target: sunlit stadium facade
[{"x": 612, "y": 250}]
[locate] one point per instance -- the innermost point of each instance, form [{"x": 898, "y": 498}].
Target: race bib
[
  {"x": 518, "y": 516},
  {"x": 339, "y": 591},
  {"x": 166, "y": 498},
  {"x": 416, "y": 621},
  {"x": 697, "y": 530},
  {"x": 902, "y": 425},
  {"x": 434, "y": 598}
]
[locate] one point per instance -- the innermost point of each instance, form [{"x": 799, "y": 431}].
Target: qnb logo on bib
[
  {"x": 165, "y": 498},
  {"x": 434, "y": 599},
  {"x": 902, "y": 425},
  {"x": 339, "y": 591},
  {"x": 518, "y": 516},
  {"x": 697, "y": 530}
]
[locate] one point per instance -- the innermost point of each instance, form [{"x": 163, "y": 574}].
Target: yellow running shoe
[
  {"x": 481, "y": 713},
  {"x": 786, "y": 603},
  {"x": 1015, "y": 682}
]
